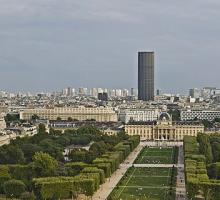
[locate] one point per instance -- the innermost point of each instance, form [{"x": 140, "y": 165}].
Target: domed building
[
  {"x": 164, "y": 128},
  {"x": 165, "y": 116}
]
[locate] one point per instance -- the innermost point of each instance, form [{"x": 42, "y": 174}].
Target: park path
[
  {"x": 106, "y": 188},
  {"x": 180, "y": 184}
]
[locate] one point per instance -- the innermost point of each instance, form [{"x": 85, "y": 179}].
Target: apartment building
[
  {"x": 137, "y": 115},
  {"x": 199, "y": 114},
  {"x": 81, "y": 113}
]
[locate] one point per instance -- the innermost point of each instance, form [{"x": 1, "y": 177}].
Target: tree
[
  {"x": 217, "y": 120},
  {"x": 207, "y": 123},
  {"x": 63, "y": 140},
  {"x": 11, "y": 155},
  {"x": 122, "y": 135},
  {"x": 44, "y": 164},
  {"x": 4, "y": 176},
  {"x": 214, "y": 170},
  {"x": 80, "y": 140},
  {"x": 12, "y": 118},
  {"x": 41, "y": 129},
  {"x": 205, "y": 147},
  {"x": 29, "y": 150},
  {"x": 78, "y": 155},
  {"x": 14, "y": 188},
  {"x": 175, "y": 113},
  {"x": 52, "y": 148},
  {"x": 59, "y": 119},
  {"x": 99, "y": 148},
  {"x": 70, "y": 119},
  {"x": 88, "y": 130},
  {"x": 216, "y": 151},
  {"x": 35, "y": 117},
  {"x": 55, "y": 132}
]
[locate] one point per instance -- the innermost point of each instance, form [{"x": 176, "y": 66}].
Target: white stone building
[
  {"x": 81, "y": 113},
  {"x": 164, "y": 129},
  {"x": 137, "y": 115}
]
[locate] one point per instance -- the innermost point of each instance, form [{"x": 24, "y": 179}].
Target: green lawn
[
  {"x": 144, "y": 183},
  {"x": 156, "y": 156},
  {"x": 148, "y": 183}
]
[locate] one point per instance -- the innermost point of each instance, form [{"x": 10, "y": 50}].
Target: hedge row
[
  {"x": 93, "y": 170},
  {"x": 113, "y": 159},
  {"x": 16, "y": 172},
  {"x": 64, "y": 187},
  {"x": 90, "y": 177},
  {"x": 4, "y": 176},
  {"x": 197, "y": 180},
  {"x": 190, "y": 146}
]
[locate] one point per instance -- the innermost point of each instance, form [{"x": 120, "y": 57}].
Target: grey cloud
[{"x": 92, "y": 42}]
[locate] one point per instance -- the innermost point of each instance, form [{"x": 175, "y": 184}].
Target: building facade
[
  {"x": 199, "y": 114},
  {"x": 128, "y": 115},
  {"x": 194, "y": 93},
  {"x": 3, "y": 109},
  {"x": 81, "y": 113},
  {"x": 2, "y": 122},
  {"x": 164, "y": 129},
  {"x": 146, "y": 76}
]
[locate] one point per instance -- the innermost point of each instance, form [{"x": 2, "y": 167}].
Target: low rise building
[
  {"x": 81, "y": 113},
  {"x": 23, "y": 130},
  {"x": 164, "y": 129},
  {"x": 11, "y": 133}
]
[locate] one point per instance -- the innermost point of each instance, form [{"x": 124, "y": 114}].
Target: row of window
[
  {"x": 140, "y": 131},
  {"x": 107, "y": 118},
  {"x": 177, "y": 136}
]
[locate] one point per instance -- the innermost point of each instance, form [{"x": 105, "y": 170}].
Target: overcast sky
[{"x": 51, "y": 44}]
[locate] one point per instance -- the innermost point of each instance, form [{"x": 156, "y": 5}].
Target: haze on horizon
[{"x": 51, "y": 44}]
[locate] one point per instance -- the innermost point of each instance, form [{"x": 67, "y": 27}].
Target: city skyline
[
  {"x": 48, "y": 45},
  {"x": 109, "y": 100}
]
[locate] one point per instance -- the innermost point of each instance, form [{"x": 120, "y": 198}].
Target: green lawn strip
[
  {"x": 151, "y": 171},
  {"x": 157, "y": 156},
  {"x": 151, "y": 181},
  {"x": 145, "y": 193},
  {"x": 152, "y": 186},
  {"x": 127, "y": 182},
  {"x": 155, "y": 160}
]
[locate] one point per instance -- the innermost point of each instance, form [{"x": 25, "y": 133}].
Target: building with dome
[{"x": 164, "y": 128}]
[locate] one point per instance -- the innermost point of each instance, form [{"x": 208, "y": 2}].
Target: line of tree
[
  {"x": 31, "y": 166},
  {"x": 201, "y": 172}
]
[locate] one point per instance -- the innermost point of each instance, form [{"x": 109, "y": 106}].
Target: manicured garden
[{"x": 202, "y": 166}]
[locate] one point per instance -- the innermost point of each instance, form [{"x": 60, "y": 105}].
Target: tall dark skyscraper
[{"x": 146, "y": 76}]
